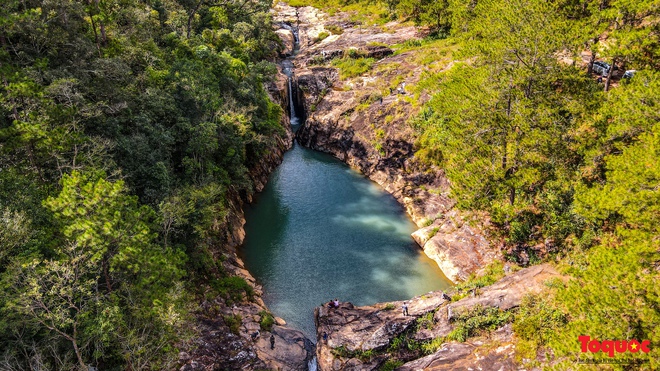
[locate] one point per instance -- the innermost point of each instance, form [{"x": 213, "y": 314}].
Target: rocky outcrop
[
  {"x": 493, "y": 354},
  {"x": 355, "y": 332},
  {"x": 288, "y": 40}
]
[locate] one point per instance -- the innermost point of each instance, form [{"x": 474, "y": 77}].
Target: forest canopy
[{"x": 125, "y": 127}]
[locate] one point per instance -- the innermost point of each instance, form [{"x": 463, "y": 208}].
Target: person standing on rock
[
  {"x": 272, "y": 341},
  {"x": 405, "y": 308}
]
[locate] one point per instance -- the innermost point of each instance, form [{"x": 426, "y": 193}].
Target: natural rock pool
[{"x": 321, "y": 231}]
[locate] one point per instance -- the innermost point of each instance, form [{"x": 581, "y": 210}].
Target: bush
[
  {"x": 537, "y": 319},
  {"x": 335, "y": 30},
  {"x": 477, "y": 319},
  {"x": 322, "y": 36},
  {"x": 391, "y": 365},
  {"x": 267, "y": 321},
  {"x": 233, "y": 288},
  {"x": 350, "y": 67},
  {"x": 492, "y": 274},
  {"x": 234, "y": 322}
]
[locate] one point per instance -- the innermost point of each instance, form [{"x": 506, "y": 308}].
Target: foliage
[
  {"x": 233, "y": 321},
  {"x": 352, "y": 67},
  {"x": 491, "y": 274},
  {"x": 335, "y": 30},
  {"x": 343, "y": 352},
  {"x": 536, "y": 322},
  {"x": 391, "y": 365},
  {"x": 426, "y": 321},
  {"x": 322, "y": 36},
  {"x": 125, "y": 130},
  {"x": 477, "y": 319},
  {"x": 266, "y": 321}
]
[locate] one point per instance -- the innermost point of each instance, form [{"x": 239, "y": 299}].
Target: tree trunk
[
  {"x": 104, "y": 38},
  {"x": 609, "y": 75},
  {"x": 191, "y": 16},
  {"x": 83, "y": 366}
]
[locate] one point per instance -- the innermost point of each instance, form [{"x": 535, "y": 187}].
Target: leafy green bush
[
  {"x": 477, "y": 319},
  {"x": 426, "y": 321},
  {"x": 234, "y": 288},
  {"x": 492, "y": 273},
  {"x": 234, "y": 322},
  {"x": 267, "y": 321},
  {"x": 322, "y": 36},
  {"x": 352, "y": 67},
  {"x": 391, "y": 365},
  {"x": 363, "y": 355},
  {"x": 335, "y": 30},
  {"x": 536, "y": 321}
]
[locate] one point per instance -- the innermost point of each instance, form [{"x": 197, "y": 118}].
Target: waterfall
[
  {"x": 312, "y": 364},
  {"x": 292, "y": 107}
]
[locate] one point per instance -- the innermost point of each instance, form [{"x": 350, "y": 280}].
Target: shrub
[
  {"x": 493, "y": 272},
  {"x": 426, "y": 321},
  {"x": 322, "y": 36},
  {"x": 391, "y": 365},
  {"x": 335, "y": 30},
  {"x": 352, "y": 67},
  {"x": 535, "y": 323},
  {"x": 233, "y": 288},
  {"x": 267, "y": 321},
  {"x": 477, "y": 319},
  {"x": 234, "y": 322}
]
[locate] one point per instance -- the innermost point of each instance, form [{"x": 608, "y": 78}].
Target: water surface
[{"x": 321, "y": 231}]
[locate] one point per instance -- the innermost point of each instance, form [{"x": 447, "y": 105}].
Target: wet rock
[{"x": 288, "y": 40}]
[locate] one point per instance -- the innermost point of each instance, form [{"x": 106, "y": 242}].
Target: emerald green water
[{"x": 321, "y": 231}]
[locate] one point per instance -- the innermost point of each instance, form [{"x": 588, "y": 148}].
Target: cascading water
[
  {"x": 295, "y": 121},
  {"x": 312, "y": 364}
]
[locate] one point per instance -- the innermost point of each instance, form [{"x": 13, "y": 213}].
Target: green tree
[{"x": 503, "y": 126}]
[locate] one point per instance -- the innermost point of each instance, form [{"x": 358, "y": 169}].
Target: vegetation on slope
[
  {"x": 565, "y": 167},
  {"x": 125, "y": 128}
]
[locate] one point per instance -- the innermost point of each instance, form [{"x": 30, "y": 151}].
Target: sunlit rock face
[{"x": 321, "y": 231}]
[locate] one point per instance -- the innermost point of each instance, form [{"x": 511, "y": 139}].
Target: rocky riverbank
[
  {"x": 366, "y": 338},
  {"x": 364, "y": 121}
]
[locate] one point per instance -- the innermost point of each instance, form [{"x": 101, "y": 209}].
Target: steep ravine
[
  {"x": 355, "y": 122},
  {"x": 216, "y": 346}
]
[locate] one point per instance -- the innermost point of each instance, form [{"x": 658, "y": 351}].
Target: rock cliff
[
  {"x": 365, "y": 338},
  {"x": 366, "y": 124}
]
